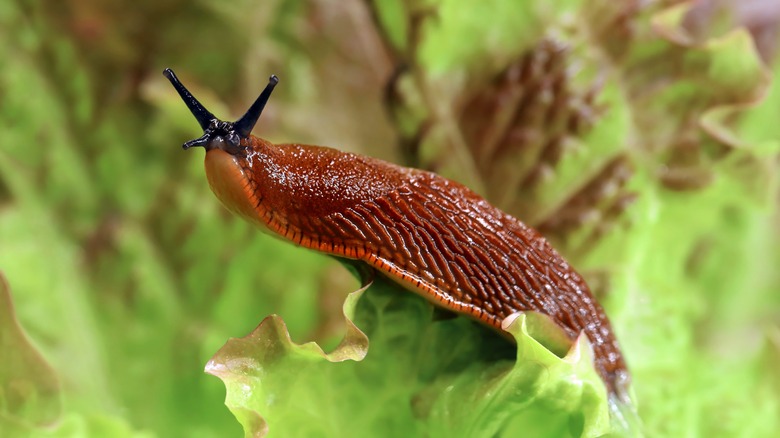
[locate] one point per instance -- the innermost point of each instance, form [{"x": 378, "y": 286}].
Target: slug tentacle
[
  {"x": 246, "y": 123},
  {"x": 431, "y": 235},
  {"x": 202, "y": 115},
  {"x": 201, "y": 141},
  {"x": 218, "y": 134}
]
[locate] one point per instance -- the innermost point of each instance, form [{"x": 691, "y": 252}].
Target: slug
[{"x": 429, "y": 234}]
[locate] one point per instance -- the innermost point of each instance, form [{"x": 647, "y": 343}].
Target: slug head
[{"x": 218, "y": 134}]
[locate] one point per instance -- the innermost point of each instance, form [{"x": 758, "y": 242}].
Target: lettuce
[
  {"x": 643, "y": 146},
  {"x": 410, "y": 374}
]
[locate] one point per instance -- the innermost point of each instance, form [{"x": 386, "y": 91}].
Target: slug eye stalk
[
  {"x": 218, "y": 133},
  {"x": 202, "y": 115},
  {"x": 246, "y": 123}
]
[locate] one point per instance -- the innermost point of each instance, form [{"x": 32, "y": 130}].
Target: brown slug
[{"x": 431, "y": 235}]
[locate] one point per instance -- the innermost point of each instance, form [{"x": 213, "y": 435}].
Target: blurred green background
[{"x": 642, "y": 138}]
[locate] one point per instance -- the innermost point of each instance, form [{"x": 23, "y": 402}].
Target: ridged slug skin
[{"x": 430, "y": 234}]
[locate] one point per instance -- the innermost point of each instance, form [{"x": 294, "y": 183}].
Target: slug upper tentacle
[{"x": 431, "y": 235}]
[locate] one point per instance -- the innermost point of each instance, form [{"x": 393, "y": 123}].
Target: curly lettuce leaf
[{"x": 421, "y": 376}]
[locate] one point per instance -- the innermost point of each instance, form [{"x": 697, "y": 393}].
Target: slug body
[{"x": 430, "y": 234}]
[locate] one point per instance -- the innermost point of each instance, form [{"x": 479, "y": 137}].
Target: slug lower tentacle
[{"x": 431, "y": 235}]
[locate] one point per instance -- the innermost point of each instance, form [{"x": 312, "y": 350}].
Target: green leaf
[
  {"x": 271, "y": 380},
  {"x": 420, "y": 376},
  {"x": 29, "y": 387}
]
